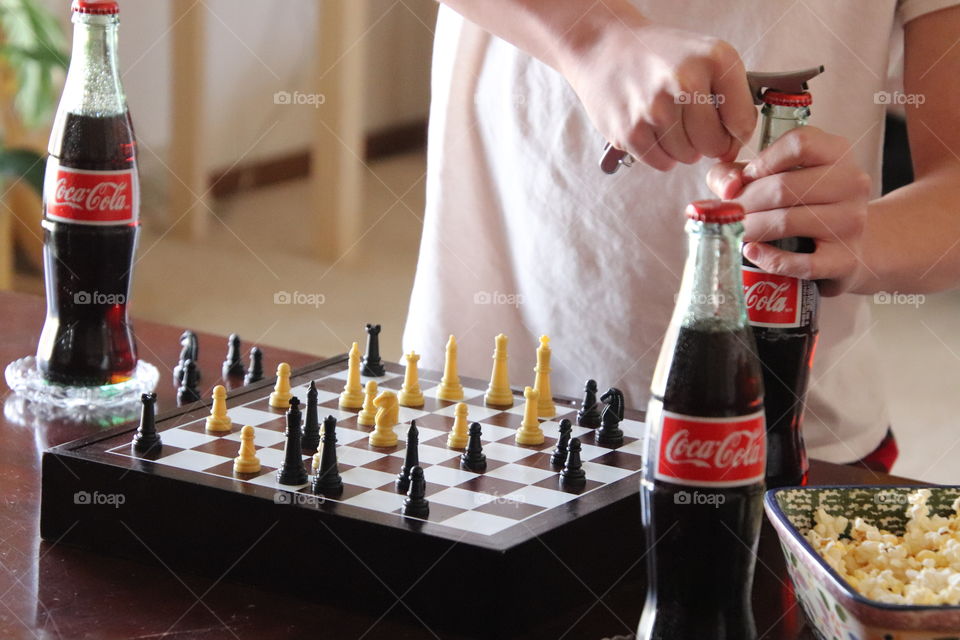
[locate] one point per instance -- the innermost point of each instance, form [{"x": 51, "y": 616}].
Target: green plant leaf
[{"x": 23, "y": 164}]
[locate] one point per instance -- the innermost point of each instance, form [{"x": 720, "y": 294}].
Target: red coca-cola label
[
  {"x": 772, "y": 300},
  {"x": 717, "y": 452},
  {"x": 91, "y": 197}
]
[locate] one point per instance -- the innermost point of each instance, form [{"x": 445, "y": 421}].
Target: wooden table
[{"x": 51, "y": 591}]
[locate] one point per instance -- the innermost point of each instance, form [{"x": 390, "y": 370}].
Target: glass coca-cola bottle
[
  {"x": 703, "y": 468},
  {"x": 91, "y": 213}
]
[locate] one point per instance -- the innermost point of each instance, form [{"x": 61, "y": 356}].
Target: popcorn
[{"x": 920, "y": 567}]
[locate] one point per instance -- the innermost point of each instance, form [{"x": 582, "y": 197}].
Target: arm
[{"x": 631, "y": 75}]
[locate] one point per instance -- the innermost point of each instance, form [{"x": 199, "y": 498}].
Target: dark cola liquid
[
  {"x": 87, "y": 339},
  {"x": 701, "y": 541}
]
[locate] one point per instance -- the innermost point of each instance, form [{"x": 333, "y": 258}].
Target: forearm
[{"x": 912, "y": 237}]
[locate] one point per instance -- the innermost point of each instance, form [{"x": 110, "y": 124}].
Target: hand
[
  {"x": 805, "y": 184},
  {"x": 661, "y": 94}
]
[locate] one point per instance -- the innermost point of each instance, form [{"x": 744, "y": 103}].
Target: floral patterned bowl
[{"x": 835, "y": 609}]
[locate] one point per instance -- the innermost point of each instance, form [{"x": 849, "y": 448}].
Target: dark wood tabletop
[{"x": 52, "y": 591}]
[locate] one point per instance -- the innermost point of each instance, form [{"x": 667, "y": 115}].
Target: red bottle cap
[
  {"x": 715, "y": 211},
  {"x": 782, "y": 98},
  {"x": 99, "y": 7}
]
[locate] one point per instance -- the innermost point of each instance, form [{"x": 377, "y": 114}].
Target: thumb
[{"x": 725, "y": 179}]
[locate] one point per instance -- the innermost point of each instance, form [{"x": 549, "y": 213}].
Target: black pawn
[
  {"x": 473, "y": 459},
  {"x": 147, "y": 437},
  {"x": 411, "y": 458},
  {"x": 255, "y": 371},
  {"x": 188, "y": 391},
  {"x": 327, "y": 481},
  {"x": 372, "y": 365},
  {"x": 416, "y": 506},
  {"x": 233, "y": 365},
  {"x": 573, "y": 475},
  {"x": 292, "y": 471},
  {"x": 560, "y": 453},
  {"x": 189, "y": 350},
  {"x": 311, "y": 424},
  {"x": 589, "y": 414},
  {"x": 610, "y": 434}
]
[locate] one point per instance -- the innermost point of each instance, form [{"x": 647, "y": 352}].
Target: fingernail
[
  {"x": 750, "y": 171},
  {"x": 751, "y": 251}
]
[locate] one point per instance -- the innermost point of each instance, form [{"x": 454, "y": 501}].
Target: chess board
[{"x": 185, "y": 505}]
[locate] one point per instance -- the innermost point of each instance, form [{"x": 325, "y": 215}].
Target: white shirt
[{"x": 524, "y": 235}]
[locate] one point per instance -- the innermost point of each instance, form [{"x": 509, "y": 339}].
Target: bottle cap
[
  {"x": 715, "y": 211},
  {"x": 99, "y": 7},
  {"x": 782, "y": 98}
]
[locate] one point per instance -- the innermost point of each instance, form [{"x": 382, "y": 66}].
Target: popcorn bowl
[{"x": 835, "y": 609}]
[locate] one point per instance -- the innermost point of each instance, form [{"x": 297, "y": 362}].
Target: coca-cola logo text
[
  {"x": 772, "y": 300},
  {"x": 104, "y": 196},
  {"x": 737, "y": 449},
  {"x": 768, "y": 296},
  {"x": 90, "y": 197},
  {"x": 711, "y": 451}
]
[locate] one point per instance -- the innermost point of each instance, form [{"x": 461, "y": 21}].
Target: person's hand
[
  {"x": 805, "y": 184},
  {"x": 661, "y": 94}
]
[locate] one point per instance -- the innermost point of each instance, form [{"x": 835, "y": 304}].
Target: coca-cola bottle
[
  {"x": 702, "y": 484},
  {"x": 91, "y": 213},
  {"x": 783, "y": 310}
]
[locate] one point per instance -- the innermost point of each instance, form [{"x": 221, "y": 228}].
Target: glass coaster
[{"x": 25, "y": 379}]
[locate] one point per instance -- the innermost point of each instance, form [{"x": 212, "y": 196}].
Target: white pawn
[
  {"x": 218, "y": 420},
  {"x": 530, "y": 431},
  {"x": 368, "y": 414},
  {"x": 460, "y": 432},
  {"x": 247, "y": 461},
  {"x": 280, "y": 398}
]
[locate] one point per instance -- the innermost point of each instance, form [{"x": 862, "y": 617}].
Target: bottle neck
[
  {"x": 93, "y": 86},
  {"x": 711, "y": 292},
  {"x": 779, "y": 119}
]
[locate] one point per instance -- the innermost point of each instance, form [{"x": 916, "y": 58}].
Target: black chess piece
[
  {"x": 372, "y": 365},
  {"x": 189, "y": 350},
  {"x": 147, "y": 437},
  {"x": 291, "y": 472},
  {"x": 473, "y": 458},
  {"x": 609, "y": 434},
  {"x": 328, "y": 482},
  {"x": 573, "y": 476},
  {"x": 233, "y": 365},
  {"x": 411, "y": 458},
  {"x": 589, "y": 414},
  {"x": 416, "y": 506},
  {"x": 311, "y": 424},
  {"x": 560, "y": 453},
  {"x": 255, "y": 371},
  {"x": 188, "y": 391}
]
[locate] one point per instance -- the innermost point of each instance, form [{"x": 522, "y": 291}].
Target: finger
[
  {"x": 701, "y": 123},
  {"x": 734, "y": 102},
  {"x": 829, "y": 262},
  {"x": 800, "y": 147},
  {"x": 725, "y": 180},
  {"x": 829, "y": 222},
  {"x": 666, "y": 120},
  {"x": 643, "y": 146},
  {"x": 817, "y": 185}
]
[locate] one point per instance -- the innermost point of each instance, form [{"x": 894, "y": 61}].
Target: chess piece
[
  {"x": 573, "y": 476},
  {"x": 327, "y": 481},
  {"x": 473, "y": 459},
  {"x": 147, "y": 438},
  {"x": 311, "y": 424},
  {"x": 416, "y": 506},
  {"x": 388, "y": 414},
  {"x": 368, "y": 414},
  {"x": 372, "y": 365},
  {"x": 218, "y": 421},
  {"x": 255, "y": 371},
  {"x": 247, "y": 460},
  {"x": 545, "y": 406},
  {"x": 410, "y": 394},
  {"x": 589, "y": 414},
  {"x": 291, "y": 472},
  {"x": 233, "y": 365},
  {"x": 352, "y": 395},
  {"x": 609, "y": 434},
  {"x": 280, "y": 398},
  {"x": 411, "y": 458},
  {"x": 459, "y": 434},
  {"x": 499, "y": 393},
  {"x": 563, "y": 443},
  {"x": 188, "y": 391},
  {"x": 189, "y": 350},
  {"x": 530, "y": 432},
  {"x": 450, "y": 388}
]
